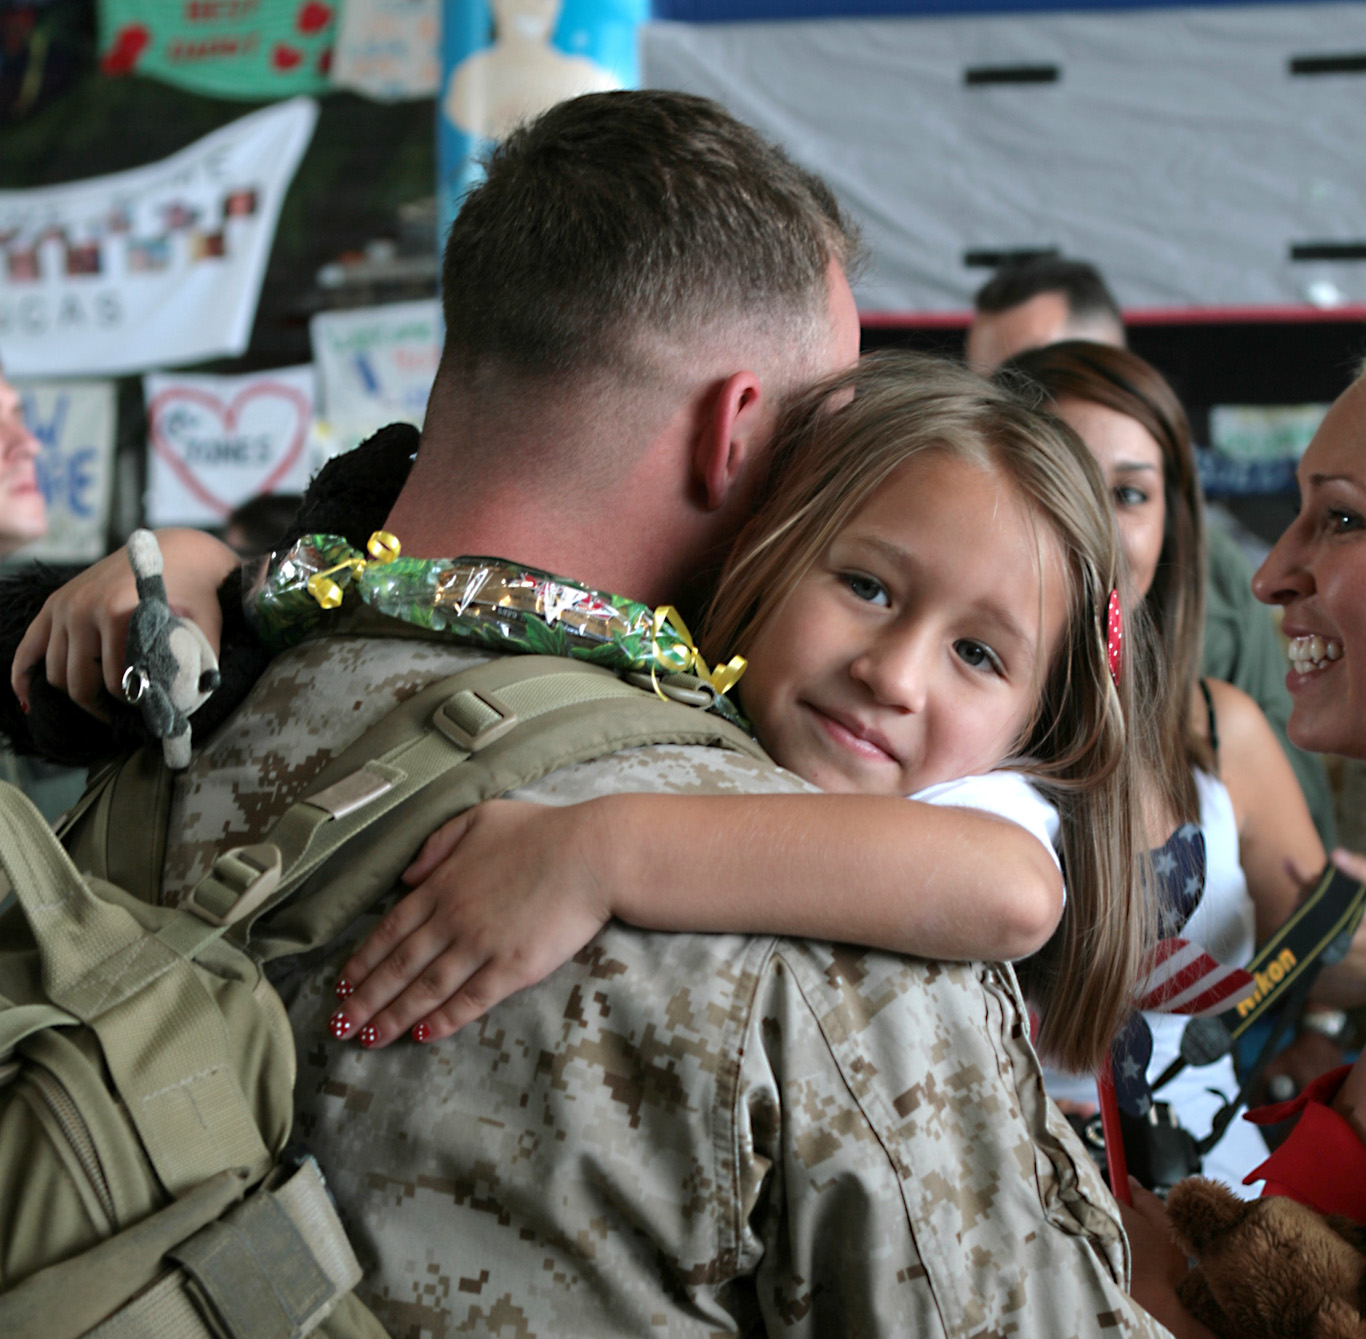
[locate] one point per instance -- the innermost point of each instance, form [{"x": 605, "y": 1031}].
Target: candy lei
[{"x": 485, "y": 601}]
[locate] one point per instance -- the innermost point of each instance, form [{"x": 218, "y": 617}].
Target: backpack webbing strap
[
  {"x": 273, "y": 1267},
  {"x": 542, "y": 712},
  {"x": 161, "y": 1031}
]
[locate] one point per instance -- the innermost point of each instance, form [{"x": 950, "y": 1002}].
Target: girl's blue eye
[
  {"x": 975, "y": 654},
  {"x": 1342, "y": 522},
  {"x": 866, "y": 588},
  {"x": 1127, "y": 495}
]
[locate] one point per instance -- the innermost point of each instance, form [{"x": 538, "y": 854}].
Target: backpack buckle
[
  {"x": 240, "y": 880},
  {"x": 473, "y": 719}
]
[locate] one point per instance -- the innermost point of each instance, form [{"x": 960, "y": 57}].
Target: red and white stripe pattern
[{"x": 1183, "y": 979}]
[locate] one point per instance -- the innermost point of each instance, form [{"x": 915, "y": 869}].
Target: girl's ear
[{"x": 732, "y": 433}]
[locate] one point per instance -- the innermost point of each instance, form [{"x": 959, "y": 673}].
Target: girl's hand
[
  {"x": 503, "y": 895},
  {"x": 79, "y": 634}
]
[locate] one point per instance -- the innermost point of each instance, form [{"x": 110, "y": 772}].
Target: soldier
[{"x": 689, "y": 1134}]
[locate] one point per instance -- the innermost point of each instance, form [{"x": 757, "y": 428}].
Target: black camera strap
[{"x": 1315, "y": 935}]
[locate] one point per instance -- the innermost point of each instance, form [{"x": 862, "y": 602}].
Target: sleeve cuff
[{"x": 1322, "y": 1163}]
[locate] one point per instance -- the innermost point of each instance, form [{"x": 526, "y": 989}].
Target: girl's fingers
[
  {"x": 85, "y": 669},
  {"x": 487, "y": 987},
  {"x": 438, "y": 847},
  {"x": 441, "y": 977},
  {"x": 403, "y": 919},
  {"x": 31, "y": 652}
]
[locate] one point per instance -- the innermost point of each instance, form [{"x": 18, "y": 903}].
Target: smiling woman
[{"x": 1317, "y": 574}]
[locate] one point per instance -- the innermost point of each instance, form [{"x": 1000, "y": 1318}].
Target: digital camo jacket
[{"x": 673, "y": 1134}]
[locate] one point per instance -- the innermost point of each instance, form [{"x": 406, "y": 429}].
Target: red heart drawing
[
  {"x": 129, "y": 43},
  {"x": 229, "y": 416},
  {"x": 285, "y": 57},
  {"x": 312, "y": 17}
]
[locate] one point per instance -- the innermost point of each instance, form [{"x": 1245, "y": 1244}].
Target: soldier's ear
[{"x": 733, "y": 427}]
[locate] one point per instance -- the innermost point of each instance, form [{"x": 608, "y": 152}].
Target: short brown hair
[{"x": 617, "y": 212}]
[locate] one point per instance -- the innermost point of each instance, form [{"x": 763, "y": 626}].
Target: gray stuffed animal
[{"x": 172, "y": 669}]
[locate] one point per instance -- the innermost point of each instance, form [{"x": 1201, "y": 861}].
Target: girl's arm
[{"x": 508, "y": 891}]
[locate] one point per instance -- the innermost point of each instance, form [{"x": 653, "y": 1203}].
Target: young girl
[{"x": 924, "y": 598}]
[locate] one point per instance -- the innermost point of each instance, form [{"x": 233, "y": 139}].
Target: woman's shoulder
[{"x": 1229, "y": 718}]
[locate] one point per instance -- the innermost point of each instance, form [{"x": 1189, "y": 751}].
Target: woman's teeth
[{"x": 1313, "y": 653}]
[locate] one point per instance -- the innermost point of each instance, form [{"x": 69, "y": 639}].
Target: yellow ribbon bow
[
  {"x": 382, "y": 548},
  {"x": 683, "y": 657}
]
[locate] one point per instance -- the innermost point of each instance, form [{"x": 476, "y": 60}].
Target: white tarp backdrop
[
  {"x": 215, "y": 442},
  {"x": 156, "y": 267},
  {"x": 74, "y": 424},
  {"x": 1190, "y": 152}
]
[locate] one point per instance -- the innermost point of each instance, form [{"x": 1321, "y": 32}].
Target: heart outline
[{"x": 228, "y": 415}]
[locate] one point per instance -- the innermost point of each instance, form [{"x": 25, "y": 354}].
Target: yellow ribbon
[
  {"x": 683, "y": 657},
  {"x": 382, "y": 548}
]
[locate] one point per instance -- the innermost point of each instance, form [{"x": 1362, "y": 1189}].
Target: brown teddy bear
[{"x": 1270, "y": 1268}]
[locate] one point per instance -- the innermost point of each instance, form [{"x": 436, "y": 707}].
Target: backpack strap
[
  {"x": 464, "y": 739},
  {"x": 117, "y": 829},
  {"x": 271, "y": 1266},
  {"x": 103, "y": 968}
]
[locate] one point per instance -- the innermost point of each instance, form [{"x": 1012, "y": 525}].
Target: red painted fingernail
[
  {"x": 340, "y": 1025},
  {"x": 369, "y": 1035},
  {"x": 23, "y": 705},
  {"x": 343, "y": 988},
  {"x": 422, "y": 1032}
]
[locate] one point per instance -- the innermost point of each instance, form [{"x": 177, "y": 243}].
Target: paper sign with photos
[{"x": 215, "y": 442}]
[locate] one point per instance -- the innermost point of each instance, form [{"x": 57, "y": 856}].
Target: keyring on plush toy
[{"x": 171, "y": 668}]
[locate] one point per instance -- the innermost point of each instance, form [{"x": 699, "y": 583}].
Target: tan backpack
[{"x": 147, "y": 1183}]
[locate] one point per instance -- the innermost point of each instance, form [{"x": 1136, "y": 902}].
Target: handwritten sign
[
  {"x": 74, "y": 424},
  {"x": 221, "y": 48},
  {"x": 375, "y": 366},
  {"x": 388, "y": 49},
  {"x": 156, "y": 267},
  {"x": 217, "y": 441}
]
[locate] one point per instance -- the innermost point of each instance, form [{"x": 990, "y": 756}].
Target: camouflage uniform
[{"x": 675, "y": 1134}]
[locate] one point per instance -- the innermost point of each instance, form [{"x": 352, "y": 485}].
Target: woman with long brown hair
[{"x": 1219, "y": 767}]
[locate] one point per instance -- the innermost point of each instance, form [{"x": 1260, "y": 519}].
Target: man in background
[
  {"x": 1029, "y": 303},
  {"x": 1044, "y": 299}
]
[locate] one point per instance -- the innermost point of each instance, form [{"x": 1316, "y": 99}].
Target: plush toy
[
  {"x": 172, "y": 669},
  {"x": 1270, "y": 1268}
]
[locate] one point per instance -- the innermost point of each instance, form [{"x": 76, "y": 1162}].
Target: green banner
[{"x": 223, "y": 48}]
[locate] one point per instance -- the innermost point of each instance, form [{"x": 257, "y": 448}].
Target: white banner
[
  {"x": 375, "y": 366},
  {"x": 389, "y": 49},
  {"x": 74, "y": 423},
  {"x": 217, "y": 441},
  {"x": 157, "y": 267}
]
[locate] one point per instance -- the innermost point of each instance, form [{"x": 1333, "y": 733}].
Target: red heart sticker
[
  {"x": 312, "y": 17},
  {"x": 285, "y": 57},
  {"x": 225, "y": 453},
  {"x": 128, "y": 45}
]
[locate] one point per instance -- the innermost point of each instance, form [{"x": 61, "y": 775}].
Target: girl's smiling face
[
  {"x": 1317, "y": 574},
  {"x": 915, "y": 648}
]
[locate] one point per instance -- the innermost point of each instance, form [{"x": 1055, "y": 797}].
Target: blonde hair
[
  {"x": 832, "y": 454},
  {"x": 1119, "y": 380}
]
